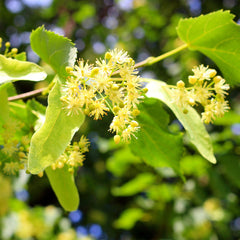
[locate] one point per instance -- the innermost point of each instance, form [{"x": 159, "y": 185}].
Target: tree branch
[{"x": 27, "y": 94}]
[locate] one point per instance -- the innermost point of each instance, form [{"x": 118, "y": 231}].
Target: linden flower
[
  {"x": 71, "y": 86},
  {"x": 207, "y": 89},
  {"x": 117, "y": 125},
  {"x": 10, "y": 148},
  {"x": 83, "y": 144},
  {"x": 220, "y": 87},
  {"x": 99, "y": 109},
  {"x": 75, "y": 159},
  {"x": 110, "y": 85},
  {"x": 11, "y": 168},
  {"x": 73, "y": 155},
  {"x": 74, "y": 105},
  {"x": 102, "y": 82},
  {"x": 82, "y": 70},
  {"x": 201, "y": 73},
  {"x": 128, "y": 132},
  {"x": 221, "y": 107},
  {"x": 180, "y": 96},
  {"x": 202, "y": 94},
  {"x": 105, "y": 66},
  {"x": 119, "y": 56},
  {"x": 116, "y": 96}
]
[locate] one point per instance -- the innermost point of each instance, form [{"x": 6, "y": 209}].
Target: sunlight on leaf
[
  {"x": 54, "y": 49},
  {"x": 12, "y": 70},
  {"x": 49, "y": 142},
  {"x": 190, "y": 121},
  {"x": 217, "y": 36},
  {"x": 134, "y": 186},
  {"x": 128, "y": 218},
  {"x": 63, "y": 185},
  {"x": 154, "y": 143}
]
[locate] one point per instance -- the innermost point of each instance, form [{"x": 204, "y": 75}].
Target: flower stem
[{"x": 151, "y": 60}]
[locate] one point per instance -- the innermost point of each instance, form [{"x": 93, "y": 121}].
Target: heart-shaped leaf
[{"x": 217, "y": 36}]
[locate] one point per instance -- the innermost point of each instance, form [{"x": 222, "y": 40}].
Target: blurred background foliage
[{"x": 122, "y": 197}]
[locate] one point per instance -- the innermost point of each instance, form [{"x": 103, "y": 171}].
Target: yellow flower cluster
[
  {"x": 7, "y": 52},
  {"x": 14, "y": 152},
  {"x": 30, "y": 225},
  {"x": 207, "y": 88},
  {"x": 73, "y": 155},
  {"x": 112, "y": 85}
]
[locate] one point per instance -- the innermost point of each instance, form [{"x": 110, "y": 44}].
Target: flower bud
[
  {"x": 60, "y": 164},
  {"x": 191, "y": 101},
  {"x": 69, "y": 69},
  {"x": 116, "y": 109},
  {"x": 117, "y": 139},
  {"x": 180, "y": 84},
  {"x": 40, "y": 174},
  {"x": 53, "y": 166},
  {"x": 94, "y": 71},
  {"x": 115, "y": 87},
  {"x": 121, "y": 105},
  {"x": 134, "y": 124},
  {"x": 108, "y": 56},
  {"x": 71, "y": 170},
  {"x": 217, "y": 79},
  {"x": 7, "y": 44},
  {"x": 212, "y": 72},
  {"x": 192, "y": 79},
  {"x": 145, "y": 90},
  {"x": 86, "y": 111},
  {"x": 135, "y": 112},
  {"x": 14, "y": 50}
]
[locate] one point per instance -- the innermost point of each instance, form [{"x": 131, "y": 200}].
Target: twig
[
  {"x": 27, "y": 94},
  {"x": 147, "y": 62}
]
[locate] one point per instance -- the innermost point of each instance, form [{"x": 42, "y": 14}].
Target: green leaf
[
  {"x": 162, "y": 192},
  {"x": 216, "y": 36},
  {"x": 86, "y": 11},
  {"x": 4, "y": 108},
  {"x": 229, "y": 118},
  {"x": 63, "y": 185},
  {"x": 128, "y": 218},
  {"x": 50, "y": 141},
  {"x": 191, "y": 121},
  {"x": 12, "y": 70},
  {"x": 120, "y": 161},
  {"x": 136, "y": 185},
  {"x": 157, "y": 146},
  {"x": 21, "y": 56},
  {"x": 230, "y": 166},
  {"x": 54, "y": 49}
]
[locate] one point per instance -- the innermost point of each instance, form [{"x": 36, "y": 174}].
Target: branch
[
  {"x": 27, "y": 94},
  {"x": 147, "y": 62}
]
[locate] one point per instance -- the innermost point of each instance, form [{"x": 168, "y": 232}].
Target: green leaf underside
[
  {"x": 63, "y": 185},
  {"x": 50, "y": 141},
  {"x": 54, "y": 49},
  {"x": 154, "y": 144},
  {"x": 191, "y": 121},
  {"x": 12, "y": 70},
  {"x": 217, "y": 36},
  {"x": 134, "y": 186}
]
